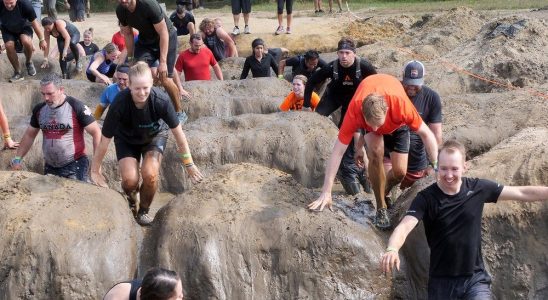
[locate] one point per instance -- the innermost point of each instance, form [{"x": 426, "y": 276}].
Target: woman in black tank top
[{"x": 67, "y": 35}]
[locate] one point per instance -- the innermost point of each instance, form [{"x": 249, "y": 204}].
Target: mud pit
[{"x": 245, "y": 233}]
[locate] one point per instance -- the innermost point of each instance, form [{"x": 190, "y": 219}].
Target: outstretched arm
[
  {"x": 390, "y": 258},
  {"x": 8, "y": 141},
  {"x": 218, "y": 71},
  {"x": 232, "y": 51},
  {"x": 429, "y": 141},
  {"x": 39, "y": 33},
  {"x": 161, "y": 29},
  {"x": 330, "y": 172},
  {"x": 184, "y": 153},
  {"x": 24, "y": 147},
  {"x": 524, "y": 193},
  {"x": 98, "y": 156}
]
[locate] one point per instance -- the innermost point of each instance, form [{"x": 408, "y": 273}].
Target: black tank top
[
  {"x": 135, "y": 285},
  {"x": 71, "y": 29},
  {"x": 216, "y": 45}
]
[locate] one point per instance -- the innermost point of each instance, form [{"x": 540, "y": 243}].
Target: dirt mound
[
  {"x": 249, "y": 235},
  {"x": 58, "y": 236},
  {"x": 372, "y": 30}
]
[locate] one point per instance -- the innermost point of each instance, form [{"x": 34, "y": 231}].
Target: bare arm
[
  {"x": 178, "y": 82},
  {"x": 8, "y": 141},
  {"x": 98, "y": 156},
  {"x": 27, "y": 141},
  {"x": 39, "y": 33},
  {"x": 218, "y": 71},
  {"x": 281, "y": 67},
  {"x": 429, "y": 141},
  {"x": 95, "y": 132},
  {"x": 436, "y": 130},
  {"x": 62, "y": 29},
  {"x": 390, "y": 258},
  {"x": 161, "y": 29},
  {"x": 524, "y": 193},
  {"x": 127, "y": 32},
  {"x": 97, "y": 61},
  {"x": 191, "y": 28},
  {"x": 232, "y": 51},
  {"x": 330, "y": 172},
  {"x": 183, "y": 149}
]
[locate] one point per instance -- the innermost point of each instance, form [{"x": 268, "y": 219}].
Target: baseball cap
[{"x": 413, "y": 73}]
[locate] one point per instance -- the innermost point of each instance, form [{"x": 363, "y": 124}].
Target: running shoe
[
  {"x": 288, "y": 30},
  {"x": 321, "y": 11},
  {"x": 382, "y": 221},
  {"x": 144, "y": 219},
  {"x": 279, "y": 31},
  {"x": 246, "y": 29},
  {"x": 236, "y": 31},
  {"x": 16, "y": 77},
  {"x": 31, "y": 70}
]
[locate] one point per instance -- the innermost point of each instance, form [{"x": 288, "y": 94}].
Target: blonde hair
[
  {"x": 374, "y": 108},
  {"x": 452, "y": 146},
  {"x": 110, "y": 48},
  {"x": 205, "y": 23},
  {"x": 89, "y": 32},
  {"x": 301, "y": 78},
  {"x": 138, "y": 70}
]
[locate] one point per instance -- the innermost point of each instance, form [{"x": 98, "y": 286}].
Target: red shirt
[
  {"x": 195, "y": 65},
  {"x": 119, "y": 41},
  {"x": 401, "y": 110}
]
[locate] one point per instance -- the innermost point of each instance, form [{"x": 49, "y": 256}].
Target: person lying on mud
[
  {"x": 139, "y": 121},
  {"x": 4, "y": 125},
  {"x": 259, "y": 62},
  {"x": 158, "y": 284},
  {"x": 451, "y": 211},
  {"x": 295, "y": 99},
  {"x": 109, "y": 94},
  {"x": 62, "y": 120},
  {"x": 345, "y": 73},
  {"x": 381, "y": 108},
  {"x": 428, "y": 105}
]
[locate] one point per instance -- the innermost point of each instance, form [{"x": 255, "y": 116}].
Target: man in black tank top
[{"x": 217, "y": 40}]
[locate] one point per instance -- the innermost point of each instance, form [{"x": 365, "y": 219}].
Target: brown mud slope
[
  {"x": 250, "y": 236},
  {"x": 514, "y": 233},
  {"x": 62, "y": 239}
]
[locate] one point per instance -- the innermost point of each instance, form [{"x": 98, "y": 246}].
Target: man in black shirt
[
  {"x": 451, "y": 211},
  {"x": 305, "y": 64},
  {"x": 18, "y": 20},
  {"x": 157, "y": 40},
  {"x": 139, "y": 120},
  {"x": 428, "y": 105},
  {"x": 183, "y": 21},
  {"x": 346, "y": 73}
]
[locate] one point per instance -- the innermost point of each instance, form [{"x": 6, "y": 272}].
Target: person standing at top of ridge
[
  {"x": 243, "y": 7},
  {"x": 18, "y": 20},
  {"x": 346, "y": 73},
  {"x": 289, "y": 12},
  {"x": 157, "y": 40}
]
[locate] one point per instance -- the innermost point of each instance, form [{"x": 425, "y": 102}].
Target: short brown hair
[
  {"x": 374, "y": 107},
  {"x": 452, "y": 146},
  {"x": 205, "y": 23},
  {"x": 301, "y": 78}
]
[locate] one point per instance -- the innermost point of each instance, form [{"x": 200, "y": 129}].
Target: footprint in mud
[{"x": 361, "y": 211}]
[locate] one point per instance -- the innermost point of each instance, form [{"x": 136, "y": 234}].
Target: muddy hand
[
  {"x": 321, "y": 202},
  {"x": 10, "y": 144},
  {"x": 389, "y": 261},
  {"x": 359, "y": 155},
  {"x": 194, "y": 174},
  {"x": 98, "y": 179}
]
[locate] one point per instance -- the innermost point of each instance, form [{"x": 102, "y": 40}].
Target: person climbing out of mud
[
  {"x": 158, "y": 284},
  {"x": 305, "y": 64},
  {"x": 139, "y": 121},
  {"x": 102, "y": 64},
  {"x": 4, "y": 125},
  {"x": 62, "y": 120},
  {"x": 259, "y": 62},
  {"x": 157, "y": 41},
  {"x": 109, "y": 94},
  {"x": 295, "y": 99},
  {"x": 217, "y": 40},
  {"x": 451, "y": 211},
  {"x": 345, "y": 73},
  {"x": 428, "y": 105},
  {"x": 67, "y": 36},
  {"x": 18, "y": 20},
  {"x": 381, "y": 107}
]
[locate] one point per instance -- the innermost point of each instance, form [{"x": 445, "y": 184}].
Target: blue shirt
[{"x": 109, "y": 94}]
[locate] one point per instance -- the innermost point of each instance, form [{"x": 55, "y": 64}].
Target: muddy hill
[{"x": 245, "y": 232}]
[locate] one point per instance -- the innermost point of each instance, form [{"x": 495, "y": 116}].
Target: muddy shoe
[
  {"x": 132, "y": 202},
  {"x": 31, "y": 70},
  {"x": 143, "y": 218},
  {"x": 16, "y": 77},
  {"x": 389, "y": 202},
  {"x": 382, "y": 221}
]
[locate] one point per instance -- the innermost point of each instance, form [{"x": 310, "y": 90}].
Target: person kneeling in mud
[
  {"x": 295, "y": 99},
  {"x": 139, "y": 121}
]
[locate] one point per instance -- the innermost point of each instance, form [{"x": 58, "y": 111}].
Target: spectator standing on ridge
[{"x": 244, "y": 7}]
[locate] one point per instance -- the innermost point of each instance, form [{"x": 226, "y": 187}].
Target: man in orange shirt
[{"x": 381, "y": 107}]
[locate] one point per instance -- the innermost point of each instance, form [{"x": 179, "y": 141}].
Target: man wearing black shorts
[
  {"x": 18, "y": 21},
  {"x": 451, "y": 211},
  {"x": 244, "y": 7},
  {"x": 157, "y": 40},
  {"x": 345, "y": 73},
  {"x": 139, "y": 121}
]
